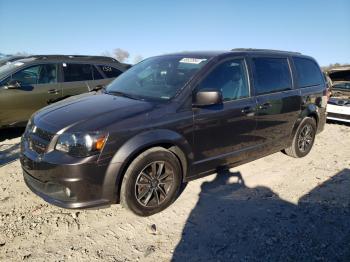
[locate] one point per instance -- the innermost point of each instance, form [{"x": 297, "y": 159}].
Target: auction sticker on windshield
[{"x": 189, "y": 60}]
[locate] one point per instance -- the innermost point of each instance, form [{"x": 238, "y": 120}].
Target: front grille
[
  {"x": 339, "y": 102},
  {"x": 340, "y": 116},
  {"x": 44, "y": 134},
  {"x": 38, "y": 139}
]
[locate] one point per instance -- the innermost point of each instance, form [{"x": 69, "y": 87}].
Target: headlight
[
  {"x": 81, "y": 144},
  {"x": 29, "y": 126}
]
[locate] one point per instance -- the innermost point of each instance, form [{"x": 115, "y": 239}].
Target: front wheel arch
[{"x": 135, "y": 146}]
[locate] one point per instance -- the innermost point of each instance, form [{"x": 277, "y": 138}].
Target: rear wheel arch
[{"x": 310, "y": 111}]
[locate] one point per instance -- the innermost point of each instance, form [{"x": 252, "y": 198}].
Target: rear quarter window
[
  {"x": 308, "y": 72},
  {"x": 109, "y": 71},
  {"x": 271, "y": 75}
]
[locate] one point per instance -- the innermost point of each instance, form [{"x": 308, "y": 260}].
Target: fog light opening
[{"x": 68, "y": 192}]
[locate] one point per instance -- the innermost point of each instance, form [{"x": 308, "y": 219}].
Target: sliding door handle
[{"x": 53, "y": 91}]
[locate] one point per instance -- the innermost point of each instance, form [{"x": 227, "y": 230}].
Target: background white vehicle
[{"x": 338, "y": 107}]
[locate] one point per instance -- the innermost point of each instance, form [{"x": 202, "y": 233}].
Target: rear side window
[
  {"x": 271, "y": 75},
  {"x": 109, "y": 71},
  {"x": 77, "y": 72},
  {"x": 309, "y": 74}
]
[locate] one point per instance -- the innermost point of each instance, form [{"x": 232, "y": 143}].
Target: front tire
[
  {"x": 303, "y": 139},
  {"x": 151, "y": 182}
]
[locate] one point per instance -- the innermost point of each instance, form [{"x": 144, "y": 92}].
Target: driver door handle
[
  {"x": 53, "y": 91},
  {"x": 249, "y": 111},
  {"x": 265, "y": 105}
]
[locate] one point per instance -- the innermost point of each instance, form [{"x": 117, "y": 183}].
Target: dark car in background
[
  {"x": 171, "y": 119},
  {"x": 29, "y": 84}
]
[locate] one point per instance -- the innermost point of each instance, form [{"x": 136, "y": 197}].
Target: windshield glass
[
  {"x": 158, "y": 77},
  {"x": 342, "y": 85},
  {"x": 6, "y": 69}
]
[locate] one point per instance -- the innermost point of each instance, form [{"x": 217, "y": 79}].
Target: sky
[{"x": 320, "y": 28}]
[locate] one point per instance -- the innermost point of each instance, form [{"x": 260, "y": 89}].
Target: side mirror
[
  {"x": 208, "y": 97},
  {"x": 13, "y": 84}
]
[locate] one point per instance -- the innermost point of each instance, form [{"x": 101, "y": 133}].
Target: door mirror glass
[
  {"x": 13, "y": 84},
  {"x": 206, "y": 97}
]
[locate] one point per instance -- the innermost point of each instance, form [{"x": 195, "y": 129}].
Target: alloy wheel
[
  {"x": 305, "y": 138},
  {"x": 154, "y": 183}
]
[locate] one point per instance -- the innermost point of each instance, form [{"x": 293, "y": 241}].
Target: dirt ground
[{"x": 274, "y": 209}]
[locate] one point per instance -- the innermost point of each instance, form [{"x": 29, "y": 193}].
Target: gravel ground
[{"x": 273, "y": 209}]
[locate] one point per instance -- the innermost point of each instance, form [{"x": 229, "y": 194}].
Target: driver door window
[
  {"x": 230, "y": 78},
  {"x": 39, "y": 74}
]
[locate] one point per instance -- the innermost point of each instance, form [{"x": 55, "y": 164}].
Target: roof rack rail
[
  {"x": 83, "y": 57},
  {"x": 264, "y": 50}
]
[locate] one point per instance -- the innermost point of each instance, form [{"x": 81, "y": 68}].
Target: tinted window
[
  {"x": 230, "y": 78},
  {"x": 342, "y": 86},
  {"x": 39, "y": 74},
  {"x": 77, "y": 72},
  {"x": 271, "y": 75},
  {"x": 309, "y": 74},
  {"x": 109, "y": 71},
  {"x": 96, "y": 73}
]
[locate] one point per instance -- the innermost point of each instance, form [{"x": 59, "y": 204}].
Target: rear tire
[
  {"x": 303, "y": 139},
  {"x": 151, "y": 182}
]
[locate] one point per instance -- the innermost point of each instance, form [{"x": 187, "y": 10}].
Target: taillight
[
  {"x": 325, "y": 97},
  {"x": 327, "y": 93}
]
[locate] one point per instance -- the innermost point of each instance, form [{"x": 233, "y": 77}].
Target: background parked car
[
  {"x": 8, "y": 59},
  {"x": 339, "y": 103},
  {"x": 29, "y": 84}
]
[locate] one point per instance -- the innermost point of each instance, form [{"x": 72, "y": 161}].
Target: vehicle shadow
[
  {"x": 9, "y": 152},
  {"x": 10, "y": 133},
  {"x": 334, "y": 122},
  {"x": 232, "y": 222}
]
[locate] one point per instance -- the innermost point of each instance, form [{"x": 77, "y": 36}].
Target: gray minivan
[{"x": 171, "y": 119}]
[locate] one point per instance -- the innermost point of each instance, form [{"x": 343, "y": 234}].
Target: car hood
[{"x": 93, "y": 110}]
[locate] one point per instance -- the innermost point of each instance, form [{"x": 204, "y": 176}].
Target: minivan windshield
[
  {"x": 157, "y": 77},
  {"x": 345, "y": 85}
]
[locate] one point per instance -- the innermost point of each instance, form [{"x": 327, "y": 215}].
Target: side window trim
[
  {"x": 224, "y": 60},
  {"x": 252, "y": 68}
]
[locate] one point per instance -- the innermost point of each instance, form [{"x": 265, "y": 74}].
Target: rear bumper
[
  {"x": 321, "y": 121},
  {"x": 338, "y": 113}
]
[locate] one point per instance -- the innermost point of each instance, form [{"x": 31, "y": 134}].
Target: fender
[
  {"x": 134, "y": 146},
  {"x": 310, "y": 110}
]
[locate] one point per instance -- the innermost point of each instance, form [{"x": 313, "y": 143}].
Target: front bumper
[{"x": 67, "y": 182}]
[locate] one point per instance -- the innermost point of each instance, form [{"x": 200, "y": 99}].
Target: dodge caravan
[{"x": 171, "y": 119}]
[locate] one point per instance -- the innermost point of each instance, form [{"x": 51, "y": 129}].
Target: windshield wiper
[
  {"x": 118, "y": 93},
  {"x": 97, "y": 88}
]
